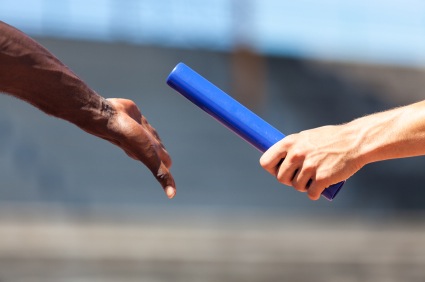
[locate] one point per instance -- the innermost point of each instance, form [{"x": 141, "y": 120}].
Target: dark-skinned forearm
[{"x": 30, "y": 72}]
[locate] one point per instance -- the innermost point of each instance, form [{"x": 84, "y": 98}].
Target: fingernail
[{"x": 170, "y": 191}]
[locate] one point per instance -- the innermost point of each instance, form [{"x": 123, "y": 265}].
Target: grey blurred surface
[
  {"x": 255, "y": 246},
  {"x": 76, "y": 208}
]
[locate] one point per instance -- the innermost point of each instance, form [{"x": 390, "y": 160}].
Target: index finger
[{"x": 273, "y": 157}]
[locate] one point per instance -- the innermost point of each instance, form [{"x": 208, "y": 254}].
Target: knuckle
[
  {"x": 308, "y": 166},
  {"x": 314, "y": 194},
  {"x": 297, "y": 186},
  {"x": 316, "y": 189},
  {"x": 314, "y": 197},
  {"x": 296, "y": 156},
  {"x": 264, "y": 162},
  {"x": 283, "y": 179},
  {"x": 321, "y": 181},
  {"x": 290, "y": 140}
]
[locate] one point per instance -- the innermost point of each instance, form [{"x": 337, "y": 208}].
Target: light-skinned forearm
[{"x": 396, "y": 133}]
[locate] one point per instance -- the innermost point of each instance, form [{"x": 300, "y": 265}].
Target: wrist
[
  {"x": 376, "y": 136},
  {"x": 94, "y": 116}
]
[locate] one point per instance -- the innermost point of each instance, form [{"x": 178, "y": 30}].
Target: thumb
[{"x": 164, "y": 177}]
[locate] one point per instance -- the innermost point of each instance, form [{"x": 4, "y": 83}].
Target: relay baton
[{"x": 230, "y": 113}]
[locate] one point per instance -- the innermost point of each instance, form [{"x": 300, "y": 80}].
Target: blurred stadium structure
[{"x": 75, "y": 208}]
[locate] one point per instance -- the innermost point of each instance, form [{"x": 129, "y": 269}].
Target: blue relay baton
[{"x": 230, "y": 113}]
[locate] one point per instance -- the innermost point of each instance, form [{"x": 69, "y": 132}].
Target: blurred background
[{"x": 76, "y": 208}]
